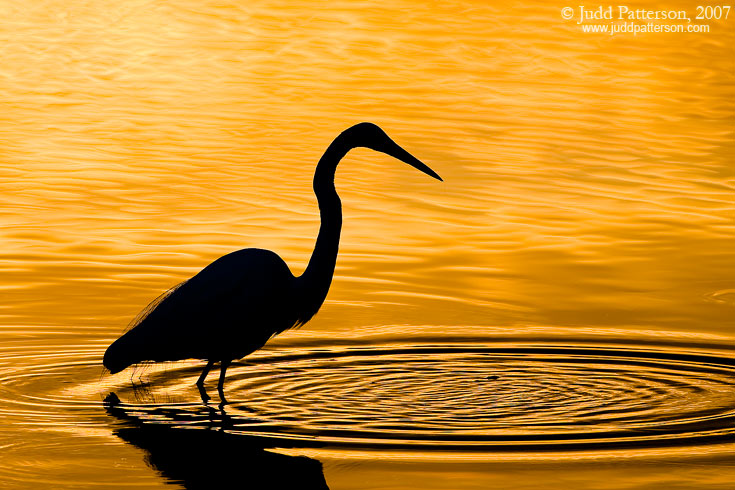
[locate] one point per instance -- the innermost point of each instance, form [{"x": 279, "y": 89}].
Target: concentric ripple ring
[{"x": 474, "y": 397}]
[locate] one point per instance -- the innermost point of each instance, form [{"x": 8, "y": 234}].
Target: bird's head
[{"x": 369, "y": 135}]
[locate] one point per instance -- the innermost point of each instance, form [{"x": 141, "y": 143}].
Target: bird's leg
[
  {"x": 221, "y": 385},
  {"x": 200, "y": 381},
  {"x": 205, "y": 372}
]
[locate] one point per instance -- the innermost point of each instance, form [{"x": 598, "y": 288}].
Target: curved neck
[{"x": 316, "y": 279}]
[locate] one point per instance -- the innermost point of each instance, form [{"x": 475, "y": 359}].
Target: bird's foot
[
  {"x": 203, "y": 393},
  {"x": 223, "y": 400}
]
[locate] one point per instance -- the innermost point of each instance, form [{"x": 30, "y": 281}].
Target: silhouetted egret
[{"x": 235, "y": 304}]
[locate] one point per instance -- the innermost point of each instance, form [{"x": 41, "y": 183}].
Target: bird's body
[
  {"x": 235, "y": 304},
  {"x": 228, "y": 310}
]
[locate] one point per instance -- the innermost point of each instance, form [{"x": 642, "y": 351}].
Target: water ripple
[{"x": 418, "y": 396}]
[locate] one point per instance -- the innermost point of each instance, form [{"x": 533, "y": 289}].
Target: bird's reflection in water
[{"x": 204, "y": 455}]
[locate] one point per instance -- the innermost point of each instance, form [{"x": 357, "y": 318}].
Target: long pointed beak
[{"x": 396, "y": 151}]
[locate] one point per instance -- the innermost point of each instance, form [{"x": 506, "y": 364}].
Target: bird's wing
[{"x": 245, "y": 286}]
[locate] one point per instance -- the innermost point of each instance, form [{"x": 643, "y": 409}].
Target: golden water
[{"x": 580, "y": 248}]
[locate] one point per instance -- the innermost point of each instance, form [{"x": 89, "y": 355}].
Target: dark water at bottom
[{"x": 399, "y": 412}]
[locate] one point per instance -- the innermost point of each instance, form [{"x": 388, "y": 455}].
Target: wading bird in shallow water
[{"x": 235, "y": 304}]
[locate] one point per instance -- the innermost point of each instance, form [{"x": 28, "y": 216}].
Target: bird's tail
[
  {"x": 124, "y": 352},
  {"x": 137, "y": 343}
]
